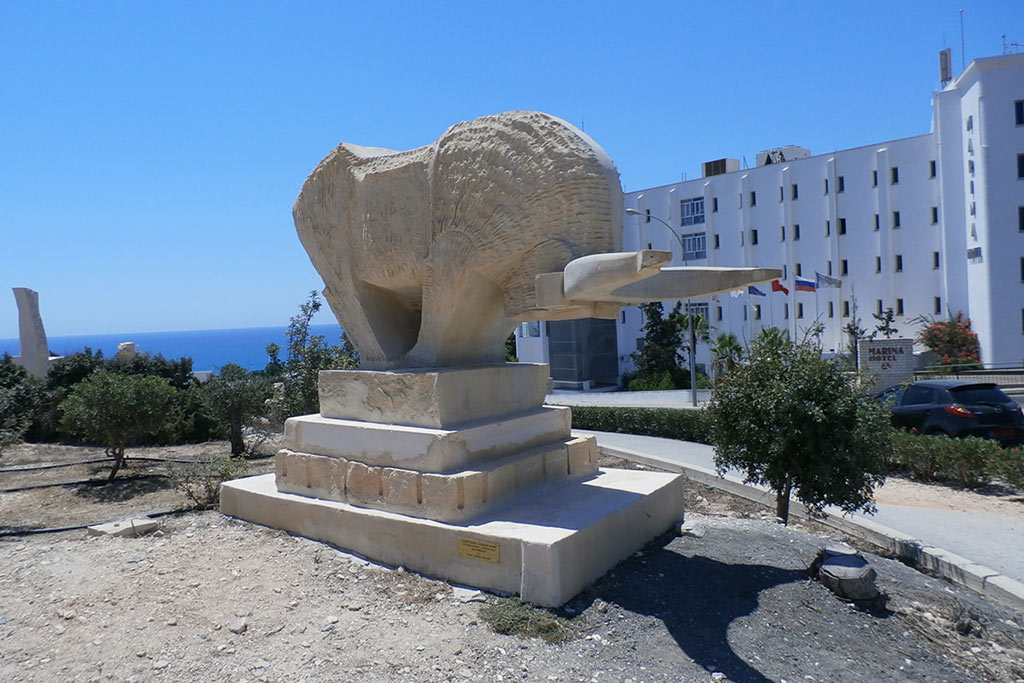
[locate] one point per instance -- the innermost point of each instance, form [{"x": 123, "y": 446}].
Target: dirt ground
[{"x": 214, "y": 599}]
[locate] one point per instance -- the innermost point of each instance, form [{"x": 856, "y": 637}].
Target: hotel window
[
  {"x": 899, "y": 263},
  {"x": 842, "y": 226},
  {"x": 826, "y": 185},
  {"x": 796, "y": 189},
  {"x": 1022, "y": 269},
  {"x": 714, "y": 205},
  {"x": 874, "y": 179},
  {"x": 935, "y": 259},
  {"x": 757, "y": 311},
  {"x": 828, "y": 225},
  {"x": 974, "y": 209},
  {"x": 623, "y": 316},
  {"x": 935, "y": 215},
  {"x": 895, "y": 174},
  {"x": 895, "y": 219},
  {"x": 799, "y": 270},
  {"x": 718, "y": 313},
  {"x": 840, "y": 184},
  {"x": 785, "y": 311},
  {"x": 692, "y": 211},
  {"x": 970, "y": 123},
  {"x": 1020, "y": 218},
  {"x": 753, "y": 237},
  {"x": 828, "y": 267},
  {"x": 878, "y": 306},
  {"x": 932, "y": 169},
  {"x": 647, "y": 215},
  {"x": 846, "y": 309},
  {"x": 785, "y": 272},
  {"x": 831, "y": 309},
  {"x": 1022, "y": 321},
  {"x": 744, "y": 311},
  {"x": 1020, "y": 166},
  {"x": 844, "y": 267},
  {"x": 899, "y": 306},
  {"x": 1018, "y": 112},
  {"x": 970, "y": 166},
  {"x": 876, "y": 222},
  {"x": 782, "y": 231},
  {"x": 695, "y": 246},
  {"x": 529, "y": 329},
  {"x": 753, "y": 198},
  {"x": 972, "y": 187},
  {"x": 878, "y": 264},
  {"x": 799, "y": 310},
  {"x": 717, "y": 243},
  {"x": 742, "y": 238},
  {"x": 938, "y": 305},
  {"x": 796, "y": 231},
  {"x": 782, "y": 194}
]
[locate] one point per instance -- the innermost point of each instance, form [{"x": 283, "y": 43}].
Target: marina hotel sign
[{"x": 890, "y": 361}]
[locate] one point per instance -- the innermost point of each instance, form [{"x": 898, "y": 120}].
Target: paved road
[{"x": 986, "y": 538}]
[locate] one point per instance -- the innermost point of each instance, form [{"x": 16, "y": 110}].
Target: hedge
[{"x": 668, "y": 423}]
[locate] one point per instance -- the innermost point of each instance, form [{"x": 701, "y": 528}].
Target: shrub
[
  {"x": 1008, "y": 465},
  {"x": 236, "y": 398},
  {"x": 201, "y": 483},
  {"x": 953, "y": 340},
  {"x": 20, "y": 399},
  {"x": 668, "y": 423},
  {"x": 112, "y": 410},
  {"x": 799, "y": 423},
  {"x": 509, "y": 616}
]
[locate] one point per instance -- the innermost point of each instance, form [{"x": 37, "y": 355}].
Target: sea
[{"x": 208, "y": 349}]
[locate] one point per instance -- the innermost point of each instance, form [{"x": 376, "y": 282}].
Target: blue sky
[{"x": 150, "y": 151}]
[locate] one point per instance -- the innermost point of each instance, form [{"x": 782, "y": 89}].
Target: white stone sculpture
[
  {"x": 32, "y": 347},
  {"x": 438, "y": 455}
]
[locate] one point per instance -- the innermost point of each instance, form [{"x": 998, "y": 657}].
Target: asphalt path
[{"x": 986, "y": 538}]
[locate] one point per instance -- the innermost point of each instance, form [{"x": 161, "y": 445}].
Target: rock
[
  {"x": 468, "y": 595},
  {"x": 127, "y": 527},
  {"x": 239, "y": 625},
  {"x": 162, "y": 664},
  {"x": 692, "y": 528},
  {"x": 845, "y": 572}
]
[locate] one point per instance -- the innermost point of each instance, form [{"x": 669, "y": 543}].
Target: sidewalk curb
[{"x": 989, "y": 583}]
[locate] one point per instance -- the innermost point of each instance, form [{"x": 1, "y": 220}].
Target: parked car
[{"x": 956, "y": 408}]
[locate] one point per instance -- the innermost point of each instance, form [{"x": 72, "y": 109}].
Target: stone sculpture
[
  {"x": 32, "y": 347},
  {"x": 438, "y": 455}
]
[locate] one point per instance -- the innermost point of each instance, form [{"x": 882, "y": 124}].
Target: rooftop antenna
[
  {"x": 962, "y": 53},
  {"x": 1011, "y": 47}
]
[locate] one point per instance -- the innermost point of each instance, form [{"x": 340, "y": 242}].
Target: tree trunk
[
  {"x": 782, "y": 503},
  {"x": 118, "y": 454},
  {"x": 237, "y": 441}
]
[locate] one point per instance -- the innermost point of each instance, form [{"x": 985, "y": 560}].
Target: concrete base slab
[
  {"x": 128, "y": 527},
  {"x": 546, "y": 549}
]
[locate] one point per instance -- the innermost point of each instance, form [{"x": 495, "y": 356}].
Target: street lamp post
[{"x": 690, "y": 320}]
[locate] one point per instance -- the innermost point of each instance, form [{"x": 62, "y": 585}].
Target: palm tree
[
  {"x": 726, "y": 353},
  {"x": 771, "y": 339}
]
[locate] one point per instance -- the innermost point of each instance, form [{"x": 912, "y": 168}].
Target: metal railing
[{"x": 1004, "y": 374}]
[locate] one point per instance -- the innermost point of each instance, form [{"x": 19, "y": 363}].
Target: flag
[
  {"x": 735, "y": 293},
  {"x": 826, "y": 281},
  {"x": 804, "y": 285},
  {"x": 779, "y": 287},
  {"x": 755, "y": 291}
]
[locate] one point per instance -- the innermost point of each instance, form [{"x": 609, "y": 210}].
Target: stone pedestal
[{"x": 449, "y": 471}]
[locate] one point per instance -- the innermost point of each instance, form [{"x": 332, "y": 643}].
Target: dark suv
[{"x": 956, "y": 408}]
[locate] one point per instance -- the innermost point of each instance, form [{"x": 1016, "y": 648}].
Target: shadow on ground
[{"x": 122, "y": 488}]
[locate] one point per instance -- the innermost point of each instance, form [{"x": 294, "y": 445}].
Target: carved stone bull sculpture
[{"x": 431, "y": 256}]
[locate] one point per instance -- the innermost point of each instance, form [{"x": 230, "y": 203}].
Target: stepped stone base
[
  {"x": 546, "y": 548},
  {"x": 444, "y": 497}
]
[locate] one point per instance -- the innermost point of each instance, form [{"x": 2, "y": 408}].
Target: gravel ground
[{"x": 211, "y": 598}]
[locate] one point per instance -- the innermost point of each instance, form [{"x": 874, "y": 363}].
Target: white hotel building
[{"x": 929, "y": 225}]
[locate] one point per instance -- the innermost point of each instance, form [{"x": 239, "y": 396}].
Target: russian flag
[{"x": 804, "y": 285}]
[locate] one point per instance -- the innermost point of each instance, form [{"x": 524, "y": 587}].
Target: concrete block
[
  {"x": 438, "y": 398},
  {"x": 556, "y": 463},
  {"x": 322, "y": 472},
  {"x": 127, "y": 527},
  {"x": 1005, "y": 591},
  {"x": 529, "y": 471},
  {"x": 500, "y": 481},
  {"x": 442, "y": 495},
  {"x": 582, "y": 452},
  {"x": 474, "y": 491},
  {"x": 426, "y": 449},
  {"x": 546, "y": 548},
  {"x": 364, "y": 485},
  {"x": 403, "y": 489}
]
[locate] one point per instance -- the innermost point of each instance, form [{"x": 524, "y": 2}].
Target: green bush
[
  {"x": 237, "y": 399},
  {"x": 201, "y": 483},
  {"x": 20, "y": 400},
  {"x": 668, "y": 423},
  {"x": 1008, "y": 464},
  {"x": 970, "y": 462}
]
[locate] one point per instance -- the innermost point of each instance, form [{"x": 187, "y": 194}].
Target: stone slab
[
  {"x": 439, "y": 398},
  {"x": 126, "y": 527},
  {"x": 546, "y": 549},
  {"x": 425, "y": 449},
  {"x": 456, "y": 497}
]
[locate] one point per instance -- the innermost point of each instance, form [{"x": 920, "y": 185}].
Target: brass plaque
[{"x": 479, "y": 550}]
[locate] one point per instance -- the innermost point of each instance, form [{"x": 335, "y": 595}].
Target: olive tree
[
  {"x": 801, "y": 425},
  {"x": 235, "y": 398},
  {"x": 112, "y": 409}
]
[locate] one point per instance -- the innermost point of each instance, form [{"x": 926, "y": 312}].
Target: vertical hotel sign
[{"x": 889, "y": 361}]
